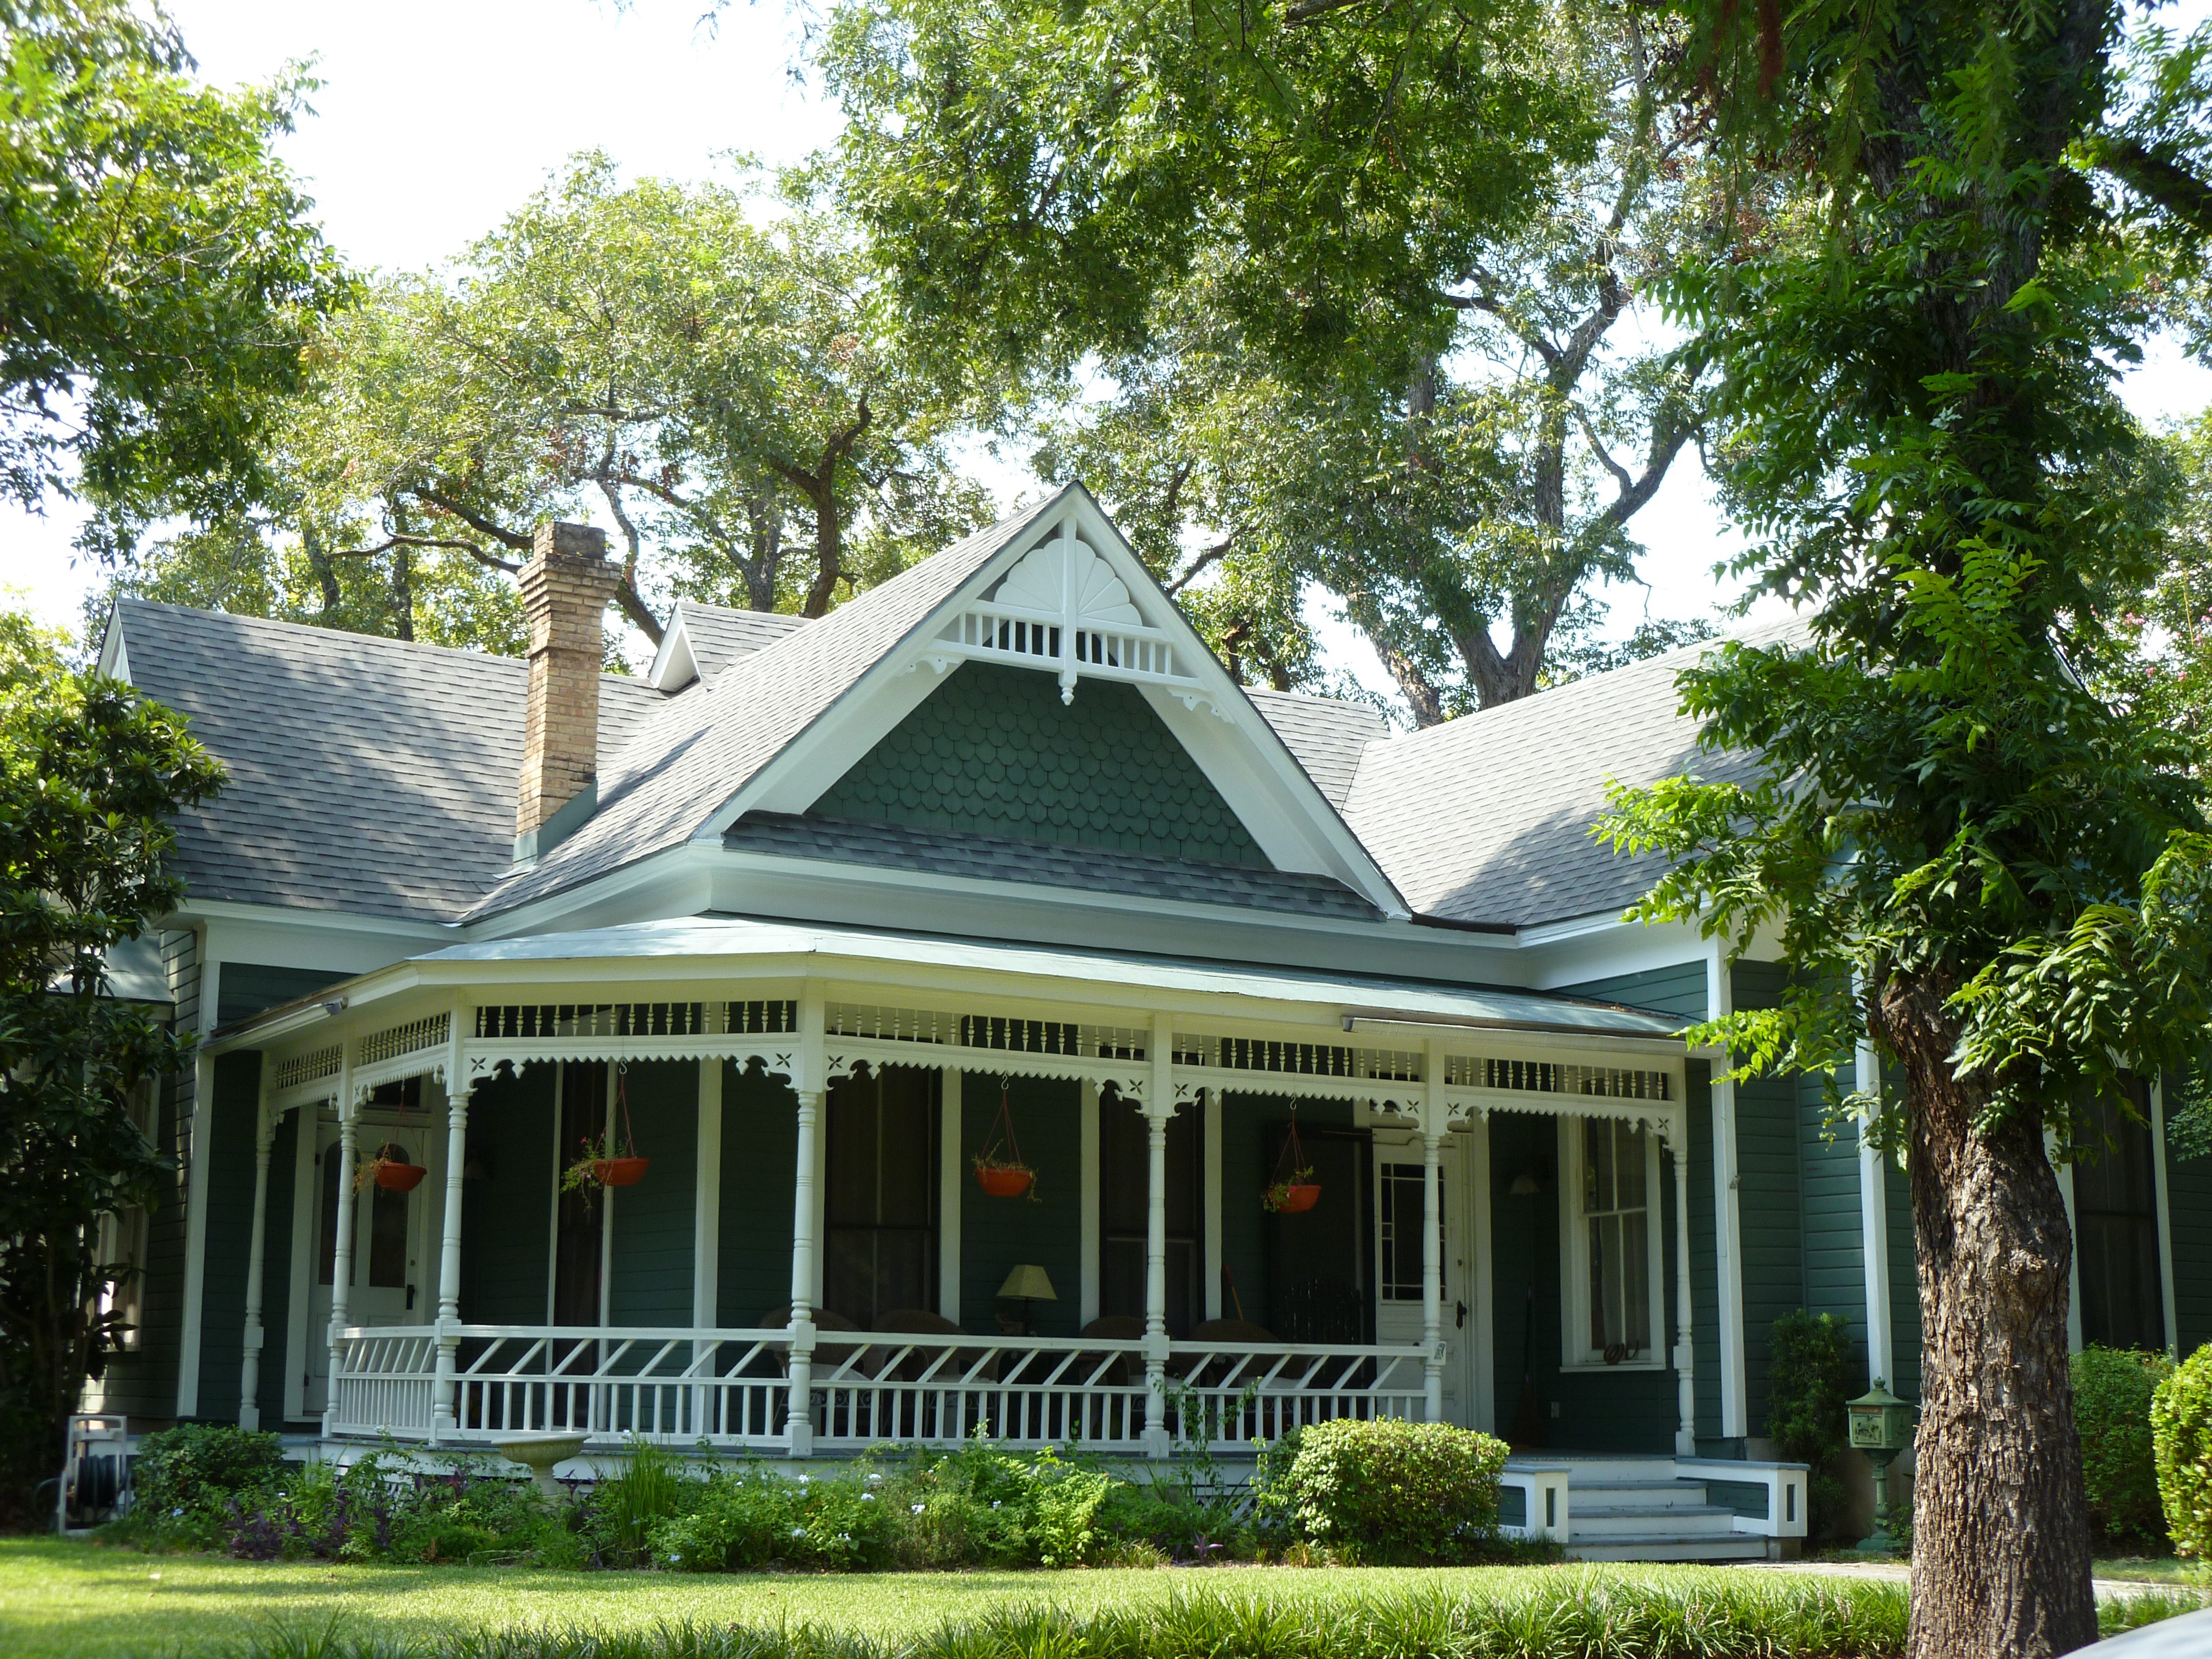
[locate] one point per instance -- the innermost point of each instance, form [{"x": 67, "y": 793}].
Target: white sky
[{"x": 437, "y": 119}]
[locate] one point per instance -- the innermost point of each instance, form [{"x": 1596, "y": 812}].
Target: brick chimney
[{"x": 565, "y": 589}]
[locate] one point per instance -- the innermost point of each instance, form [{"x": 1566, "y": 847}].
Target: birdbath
[{"x": 541, "y": 1452}]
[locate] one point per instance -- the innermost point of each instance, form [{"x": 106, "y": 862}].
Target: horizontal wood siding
[
  {"x": 760, "y": 1166},
  {"x": 1677, "y": 989},
  {"x": 1250, "y": 1125},
  {"x": 276, "y": 1270},
  {"x": 1903, "y": 1287},
  {"x": 1835, "y": 1247},
  {"x": 1770, "y": 1205},
  {"x": 247, "y": 988},
  {"x": 236, "y": 1110},
  {"x": 650, "y": 1282},
  {"x": 2189, "y": 1184},
  {"x": 996, "y": 1234},
  {"x": 506, "y": 1217}
]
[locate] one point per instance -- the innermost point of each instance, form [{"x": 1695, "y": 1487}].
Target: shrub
[
  {"x": 1394, "y": 1493},
  {"x": 201, "y": 1468},
  {"x": 2181, "y": 1442},
  {"x": 1807, "y": 1381},
  {"x": 2112, "y": 1392},
  {"x": 622, "y": 1510}
]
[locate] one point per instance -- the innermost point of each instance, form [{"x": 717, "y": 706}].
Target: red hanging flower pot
[
  {"x": 1294, "y": 1190},
  {"x": 619, "y": 1171},
  {"x": 610, "y": 1160},
  {"x": 399, "y": 1177},
  {"x": 1003, "y": 1180},
  {"x": 999, "y": 1170},
  {"x": 1294, "y": 1197}
]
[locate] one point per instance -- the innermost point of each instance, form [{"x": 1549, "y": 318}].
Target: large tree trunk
[{"x": 2000, "y": 1526}]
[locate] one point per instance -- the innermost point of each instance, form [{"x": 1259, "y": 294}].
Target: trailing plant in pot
[
  {"x": 999, "y": 1169},
  {"x": 610, "y": 1160},
  {"x": 389, "y": 1169},
  {"x": 1294, "y": 1190}
]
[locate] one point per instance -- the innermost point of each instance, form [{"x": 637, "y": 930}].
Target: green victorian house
[{"x": 974, "y": 1010}]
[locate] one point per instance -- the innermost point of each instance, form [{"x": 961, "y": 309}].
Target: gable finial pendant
[{"x": 1061, "y": 607}]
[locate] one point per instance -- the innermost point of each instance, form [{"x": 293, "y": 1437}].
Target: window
[
  {"x": 1403, "y": 1219},
  {"x": 2116, "y": 1224},
  {"x": 880, "y": 1225},
  {"x": 1613, "y": 1288},
  {"x": 1125, "y": 1168},
  {"x": 123, "y": 1240}
]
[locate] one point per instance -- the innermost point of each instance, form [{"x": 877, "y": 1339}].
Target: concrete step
[
  {"x": 1599, "y": 1469},
  {"x": 1734, "y": 1546},
  {"x": 1606, "y": 1523},
  {"x": 1638, "y": 1494}
]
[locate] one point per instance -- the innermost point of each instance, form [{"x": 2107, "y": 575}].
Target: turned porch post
[
  {"x": 342, "y": 1261},
  {"x": 1686, "y": 1432},
  {"x": 444, "y": 1393},
  {"x": 1432, "y": 1233},
  {"x": 1159, "y": 1107},
  {"x": 800, "y": 1422},
  {"x": 249, "y": 1369}
]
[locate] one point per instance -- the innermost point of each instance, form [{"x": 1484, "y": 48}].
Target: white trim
[
  {"x": 195, "y": 1180},
  {"x": 1727, "y": 1209},
  {"x": 1873, "y": 1230},
  {"x": 1210, "y": 1119},
  {"x": 194, "y": 911},
  {"x": 1573, "y": 1256},
  {"x": 2065, "y": 1174},
  {"x": 306, "y": 1236},
  {"x": 1088, "y": 1291},
  {"x": 707, "y": 1205},
  {"x": 2165, "y": 1214},
  {"x": 951, "y": 1133}
]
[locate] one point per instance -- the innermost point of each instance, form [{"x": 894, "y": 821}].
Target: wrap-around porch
[{"x": 809, "y": 1267}]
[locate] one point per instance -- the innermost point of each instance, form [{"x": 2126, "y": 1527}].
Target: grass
[
  {"x": 2153, "y": 1570},
  {"x": 87, "y": 1601}
]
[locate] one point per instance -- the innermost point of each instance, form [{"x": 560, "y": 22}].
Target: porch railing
[{"x": 731, "y": 1389}]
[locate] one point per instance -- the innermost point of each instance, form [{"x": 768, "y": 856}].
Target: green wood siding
[
  {"x": 276, "y": 1270},
  {"x": 143, "y": 1382},
  {"x": 998, "y": 1233},
  {"x": 1249, "y": 1124},
  {"x": 506, "y": 1218},
  {"x": 1678, "y": 989},
  {"x": 2189, "y": 1187},
  {"x": 760, "y": 1167},
  {"x": 992, "y": 751},
  {"x": 229, "y": 1153},
  {"x": 1835, "y": 1245},
  {"x": 1903, "y": 1287},
  {"x": 1600, "y": 1410},
  {"x": 1770, "y": 1203},
  {"x": 650, "y": 1281},
  {"x": 247, "y": 988}
]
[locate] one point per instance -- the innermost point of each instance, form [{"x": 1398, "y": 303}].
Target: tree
[
  {"x": 158, "y": 273},
  {"x": 1356, "y": 339},
  {"x": 91, "y": 773},
  {"x": 1972, "y": 857}
]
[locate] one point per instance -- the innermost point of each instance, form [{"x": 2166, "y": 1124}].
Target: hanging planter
[
  {"x": 1294, "y": 1190},
  {"x": 391, "y": 1171},
  {"x": 999, "y": 1170},
  {"x": 608, "y": 1160}
]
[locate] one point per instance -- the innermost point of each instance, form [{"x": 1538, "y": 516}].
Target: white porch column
[
  {"x": 1685, "y": 1433},
  {"x": 1210, "y": 1124},
  {"x": 342, "y": 1261},
  {"x": 706, "y": 1231},
  {"x": 249, "y": 1367},
  {"x": 1874, "y": 1228},
  {"x": 950, "y": 1167},
  {"x": 1728, "y": 1212},
  {"x": 1159, "y": 1107},
  {"x": 444, "y": 1391},
  {"x": 1482, "y": 1289},
  {"x": 1432, "y": 1233},
  {"x": 2164, "y": 1213},
  {"x": 799, "y": 1421}
]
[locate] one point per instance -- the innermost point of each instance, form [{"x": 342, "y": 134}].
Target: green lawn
[
  {"x": 2152, "y": 1570},
  {"x": 64, "y": 1601}
]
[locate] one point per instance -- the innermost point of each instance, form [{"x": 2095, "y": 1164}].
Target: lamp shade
[
  {"x": 1524, "y": 1186},
  {"x": 1029, "y": 1283}
]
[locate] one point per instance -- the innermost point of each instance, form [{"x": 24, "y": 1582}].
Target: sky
[{"x": 436, "y": 117}]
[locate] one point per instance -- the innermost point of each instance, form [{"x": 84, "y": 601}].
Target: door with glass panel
[
  {"x": 1401, "y": 1222},
  {"x": 388, "y": 1285},
  {"x": 1615, "y": 1301}
]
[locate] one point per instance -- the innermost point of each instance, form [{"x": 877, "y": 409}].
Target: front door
[
  {"x": 388, "y": 1286},
  {"x": 1400, "y": 1217}
]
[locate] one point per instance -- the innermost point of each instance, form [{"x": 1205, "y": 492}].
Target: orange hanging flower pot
[
  {"x": 1003, "y": 1180},
  {"x": 619, "y": 1171},
  {"x": 399, "y": 1177},
  {"x": 610, "y": 1160},
  {"x": 999, "y": 1170},
  {"x": 1294, "y": 1190},
  {"x": 1294, "y": 1197}
]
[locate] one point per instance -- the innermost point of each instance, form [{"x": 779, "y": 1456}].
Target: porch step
[
  {"x": 1602, "y": 1523},
  {"x": 1730, "y": 1546},
  {"x": 1659, "y": 1495}
]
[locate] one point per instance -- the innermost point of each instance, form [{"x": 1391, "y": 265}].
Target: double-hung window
[{"x": 1614, "y": 1297}]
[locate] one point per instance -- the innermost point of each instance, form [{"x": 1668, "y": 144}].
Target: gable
[{"x": 993, "y": 750}]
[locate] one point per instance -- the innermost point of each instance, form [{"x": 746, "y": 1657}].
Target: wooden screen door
[{"x": 388, "y": 1284}]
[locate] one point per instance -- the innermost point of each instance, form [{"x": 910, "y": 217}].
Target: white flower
[
  {"x": 176, "y": 1515},
  {"x": 917, "y": 1509},
  {"x": 799, "y": 1531},
  {"x": 673, "y": 1559},
  {"x": 867, "y": 1497},
  {"x": 804, "y": 1478},
  {"x": 994, "y": 1502},
  {"x": 875, "y": 1480}
]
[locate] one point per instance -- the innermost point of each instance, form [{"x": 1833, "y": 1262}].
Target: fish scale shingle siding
[{"x": 993, "y": 750}]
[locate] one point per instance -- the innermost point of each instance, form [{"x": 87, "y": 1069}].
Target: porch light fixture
[
  {"x": 335, "y": 1006},
  {"x": 1028, "y": 1284}
]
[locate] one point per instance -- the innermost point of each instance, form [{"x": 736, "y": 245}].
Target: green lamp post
[{"x": 1882, "y": 1427}]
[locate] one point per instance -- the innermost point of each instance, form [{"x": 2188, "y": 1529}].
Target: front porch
[{"x": 809, "y": 1269}]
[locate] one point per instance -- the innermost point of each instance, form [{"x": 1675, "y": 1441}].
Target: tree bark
[{"x": 2000, "y": 1527}]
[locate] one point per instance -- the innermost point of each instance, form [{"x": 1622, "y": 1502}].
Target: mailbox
[{"x": 1880, "y": 1421}]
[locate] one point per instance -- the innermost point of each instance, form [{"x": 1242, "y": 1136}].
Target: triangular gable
[{"x": 1068, "y": 600}]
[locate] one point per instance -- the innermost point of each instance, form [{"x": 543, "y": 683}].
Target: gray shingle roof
[
  {"x": 720, "y": 636},
  {"x": 700, "y": 748},
  {"x": 1487, "y": 817},
  {"x": 1326, "y": 736},
  {"x": 364, "y": 774},
  {"x": 1046, "y": 864}
]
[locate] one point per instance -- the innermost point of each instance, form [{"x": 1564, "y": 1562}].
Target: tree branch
[
  {"x": 2160, "y": 180},
  {"x": 490, "y": 560}
]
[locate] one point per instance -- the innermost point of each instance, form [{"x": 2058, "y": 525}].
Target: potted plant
[
  {"x": 1294, "y": 1190},
  {"x": 390, "y": 1170},
  {"x": 607, "y": 1160},
  {"x": 999, "y": 1169}
]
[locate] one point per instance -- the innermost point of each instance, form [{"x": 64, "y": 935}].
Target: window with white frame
[
  {"x": 1613, "y": 1294},
  {"x": 123, "y": 1238},
  {"x": 1402, "y": 1219}
]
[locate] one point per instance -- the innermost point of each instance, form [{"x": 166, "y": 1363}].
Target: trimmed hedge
[
  {"x": 1391, "y": 1493},
  {"x": 2112, "y": 1393},
  {"x": 201, "y": 1469},
  {"x": 2181, "y": 1438}
]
